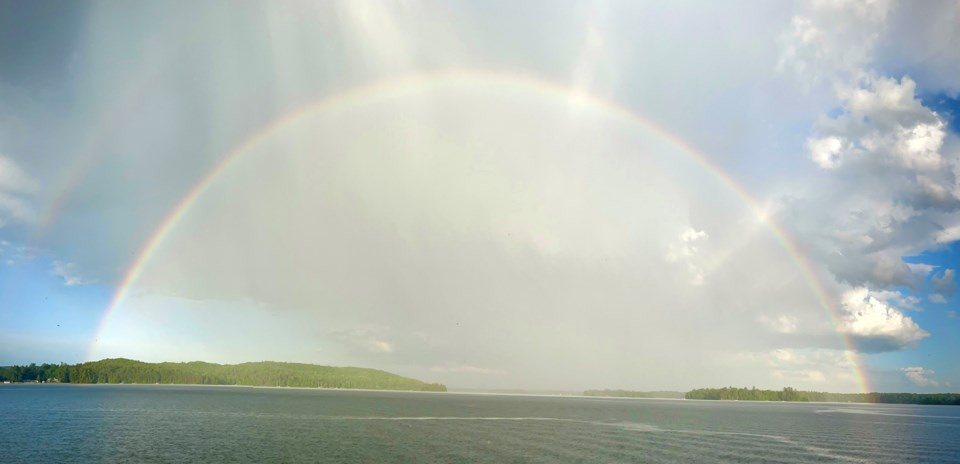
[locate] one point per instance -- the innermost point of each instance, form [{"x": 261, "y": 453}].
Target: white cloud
[
  {"x": 892, "y": 189},
  {"x": 948, "y": 235},
  {"x": 895, "y": 192},
  {"x": 826, "y": 151},
  {"x": 686, "y": 251},
  {"x": 691, "y": 235},
  {"x": 875, "y": 325},
  {"x": 69, "y": 273},
  {"x": 937, "y": 298},
  {"x": 882, "y": 124},
  {"x": 920, "y": 376},
  {"x": 921, "y": 268},
  {"x": 953, "y": 314}
]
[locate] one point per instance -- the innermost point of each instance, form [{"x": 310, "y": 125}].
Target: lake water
[{"x": 131, "y": 423}]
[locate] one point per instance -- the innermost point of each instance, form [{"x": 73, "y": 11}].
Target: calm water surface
[{"x": 129, "y": 423}]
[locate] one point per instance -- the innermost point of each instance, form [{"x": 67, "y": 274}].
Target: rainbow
[
  {"x": 420, "y": 81},
  {"x": 124, "y": 106},
  {"x": 92, "y": 148}
]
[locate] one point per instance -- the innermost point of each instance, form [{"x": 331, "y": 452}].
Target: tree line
[
  {"x": 790, "y": 394},
  {"x": 267, "y": 373}
]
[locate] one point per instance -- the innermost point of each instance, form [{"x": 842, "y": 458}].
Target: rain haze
[{"x": 535, "y": 195}]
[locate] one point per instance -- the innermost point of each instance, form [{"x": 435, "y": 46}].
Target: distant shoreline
[{"x": 471, "y": 393}]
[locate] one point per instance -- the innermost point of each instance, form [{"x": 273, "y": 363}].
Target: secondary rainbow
[{"x": 418, "y": 81}]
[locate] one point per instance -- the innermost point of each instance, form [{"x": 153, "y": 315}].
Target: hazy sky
[{"x": 641, "y": 195}]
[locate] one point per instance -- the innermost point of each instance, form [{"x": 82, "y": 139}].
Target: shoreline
[
  {"x": 472, "y": 393},
  {"x": 206, "y": 385}
]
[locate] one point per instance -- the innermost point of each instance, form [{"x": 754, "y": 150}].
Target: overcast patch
[
  {"x": 945, "y": 284},
  {"x": 16, "y": 188}
]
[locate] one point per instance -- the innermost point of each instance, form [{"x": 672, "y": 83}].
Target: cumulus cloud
[
  {"x": 919, "y": 376},
  {"x": 875, "y": 325},
  {"x": 890, "y": 186},
  {"x": 883, "y": 124},
  {"x": 826, "y": 151}
]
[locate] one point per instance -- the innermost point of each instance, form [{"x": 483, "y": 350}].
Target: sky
[{"x": 543, "y": 195}]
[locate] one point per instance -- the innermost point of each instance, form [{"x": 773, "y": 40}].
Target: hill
[{"x": 267, "y": 373}]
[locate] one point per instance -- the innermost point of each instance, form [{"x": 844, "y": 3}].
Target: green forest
[
  {"x": 789, "y": 394},
  {"x": 267, "y": 374},
  {"x": 634, "y": 394}
]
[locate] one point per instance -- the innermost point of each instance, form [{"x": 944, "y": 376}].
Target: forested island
[
  {"x": 634, "y": 394},
  {"x": 789, "y": 394},
  {"x": 261, "y": 374}
]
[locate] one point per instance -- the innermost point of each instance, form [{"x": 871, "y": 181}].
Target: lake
[{"x": 146, "y": 423}]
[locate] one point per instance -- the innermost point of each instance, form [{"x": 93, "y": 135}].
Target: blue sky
[{"x": 464, "y": 215}]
